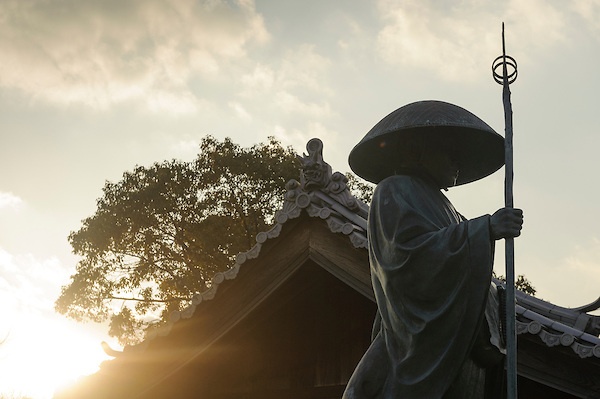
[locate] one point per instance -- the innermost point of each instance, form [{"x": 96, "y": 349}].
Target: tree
[
  {"x": 161, "y": 233},
  {"x": 361, "y": 189},
  {"x": 522, "y": 283}
]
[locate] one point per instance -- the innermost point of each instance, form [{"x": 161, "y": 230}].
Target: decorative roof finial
[{"x": 316, "y": 175}]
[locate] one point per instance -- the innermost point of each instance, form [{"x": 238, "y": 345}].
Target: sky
[{"x": 89, "y": 89}]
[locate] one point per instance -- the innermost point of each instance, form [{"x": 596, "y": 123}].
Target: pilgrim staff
[{"x": 505, "y": 79}]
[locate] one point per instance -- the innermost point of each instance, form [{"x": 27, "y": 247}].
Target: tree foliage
[
  {"x": 160, "y": 234},
  {"x": 361, "y": 189},
  {"x": 522, "y": 283}
]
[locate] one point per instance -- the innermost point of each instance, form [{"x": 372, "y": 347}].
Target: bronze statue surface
[{"x": 430, "y": 267}]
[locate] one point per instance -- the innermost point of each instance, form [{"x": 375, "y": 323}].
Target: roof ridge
[{"x": 556, "y": 325}]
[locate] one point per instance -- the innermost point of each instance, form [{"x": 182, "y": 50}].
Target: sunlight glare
[{"x": 41, "y": 356}]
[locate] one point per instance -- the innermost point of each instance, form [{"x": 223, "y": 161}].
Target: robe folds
[{"x": 431, "y": 271}]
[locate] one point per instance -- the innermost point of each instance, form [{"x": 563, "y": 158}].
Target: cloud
[
  {"x": 455, "y": 42},
  {"x": 260, "y": 80},
  {"x": 571, "y": 280},
  {"x": 298, "y": 138},
  {"x": 305, "y": 68},
  {"x": 99, "y": 53},
  {"x": 29, "y": 284},
  {"x": 175, "y": 102},
  {"x": 290, "y": 97},
  {"x": 186, "y": 149},
  {"x": 240, "y": 111},
  {"x": 589, "y": 11},
  {"x": 300, "y": 70},
  {"x": 295, "y": 86},
  {"x": 10, "y": 201},
  {"x": 585, "y": 260},
  {"x": 292, "y": 104}
]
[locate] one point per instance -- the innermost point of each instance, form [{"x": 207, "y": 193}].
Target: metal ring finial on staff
[
  {"x": 500, "y": 61},
  {"x": 504, "y": 61}
]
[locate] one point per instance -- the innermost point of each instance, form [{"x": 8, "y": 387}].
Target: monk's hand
[{"x": 506, "y": 223}]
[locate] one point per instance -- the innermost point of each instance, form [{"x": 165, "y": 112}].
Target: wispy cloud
[
  {"x": 186, "y": 149},
  {"x": 29, "y": 284},
  {"x": 296, "y": 86},
  {"x": 305, "y": 67},
  {"x": 240, "y": 111},
  {"x": 586, "y": 259},
  {"x": 589, "y": 11},
  {"x": 572, "y": 280},
  {"x": 298, "y": 138},
  {"x": 98, "y": 53},
  {"x": 9, "y": 200},
  {"x": 450, "y": 41}
]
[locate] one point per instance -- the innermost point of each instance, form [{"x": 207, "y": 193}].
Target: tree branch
[
  {"x": 148, "y": 300},
  {"x": 152, "y": 263}
]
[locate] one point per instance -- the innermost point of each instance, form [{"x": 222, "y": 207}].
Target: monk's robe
[{"x": 431, "y": 271}]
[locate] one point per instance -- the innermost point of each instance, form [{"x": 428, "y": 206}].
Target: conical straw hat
[{"x": 386, "y": 149}]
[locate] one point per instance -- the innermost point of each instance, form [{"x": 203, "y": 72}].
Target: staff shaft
[{"x": 511, "y": 336}]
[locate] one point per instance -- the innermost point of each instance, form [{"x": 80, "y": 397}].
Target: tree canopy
[{"x": 161, "y": 233}]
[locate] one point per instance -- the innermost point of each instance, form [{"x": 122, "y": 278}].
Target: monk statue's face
[
  {"x": 443, "y": 169},
  {"x": 436, "y": 160}
]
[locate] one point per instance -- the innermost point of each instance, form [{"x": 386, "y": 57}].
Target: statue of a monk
[{"x": 430, "y": 267}]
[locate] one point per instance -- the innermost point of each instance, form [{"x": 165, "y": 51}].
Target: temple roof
[{"x": 325, "y": 195}]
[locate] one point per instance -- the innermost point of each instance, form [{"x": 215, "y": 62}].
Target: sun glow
[{"x": 41, "y": 355}]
